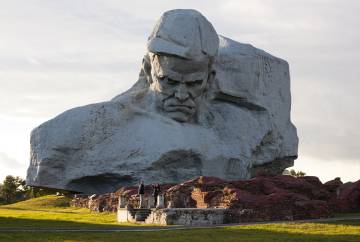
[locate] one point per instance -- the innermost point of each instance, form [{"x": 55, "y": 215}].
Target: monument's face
[{"x": 178, "y": 83}]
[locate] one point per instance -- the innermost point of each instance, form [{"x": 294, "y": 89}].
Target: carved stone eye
[
  {"x": 198, "y": 82},
  {"x": 194, "y": 83},
  {"x": 171, "y": 81}
]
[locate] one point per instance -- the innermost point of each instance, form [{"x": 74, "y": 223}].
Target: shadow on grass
[
  {"x": 191, "y": 235},
  {"x": 24, "y": 223},
  {"x": 348, "y": 214},
  {"x": 54, "y": 210},
  {"x": 343, "y": 222}
]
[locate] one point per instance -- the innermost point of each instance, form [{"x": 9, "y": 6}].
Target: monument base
[
  {"x": 187, "y": 216},
  {"x": 193, "y": 216},
  {"x": 210, "y": 200}
]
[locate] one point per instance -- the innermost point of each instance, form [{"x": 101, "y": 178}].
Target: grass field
[{"x": 52, "y": 212}]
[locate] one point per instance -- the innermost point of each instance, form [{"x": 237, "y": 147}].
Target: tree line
[{"x": 14, "y": 189}]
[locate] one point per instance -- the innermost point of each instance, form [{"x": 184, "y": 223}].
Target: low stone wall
[
  {"x": 192, "y": 216},
  {"x": 177, "y": 216},
  {"x": 187, "y": 216}
]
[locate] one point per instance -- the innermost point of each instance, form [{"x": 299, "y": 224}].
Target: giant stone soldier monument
[{"x": 203, "y": 105}]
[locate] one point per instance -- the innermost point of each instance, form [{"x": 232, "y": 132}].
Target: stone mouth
[{"x": 185, "y": 109}]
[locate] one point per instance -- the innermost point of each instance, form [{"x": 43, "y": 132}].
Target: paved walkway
[{"x": 167, "y": 228}]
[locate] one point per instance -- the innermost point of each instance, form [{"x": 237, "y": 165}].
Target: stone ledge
[{"x": 190, "y": 216}]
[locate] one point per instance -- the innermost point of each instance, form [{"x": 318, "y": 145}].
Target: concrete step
[{"x": 140, "y": 214}]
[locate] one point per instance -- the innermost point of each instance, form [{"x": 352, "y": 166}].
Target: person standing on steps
[
  {"x": 156, "y": 192},
  {"x": 141, "y": 192}
]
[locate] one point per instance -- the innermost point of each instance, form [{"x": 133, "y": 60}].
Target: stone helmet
[{"x": 184, "y": 33}]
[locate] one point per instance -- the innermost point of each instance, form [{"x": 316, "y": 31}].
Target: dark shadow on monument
[
  {"x": 108, "y": 182},
  {"x": 177, "y": 165}
]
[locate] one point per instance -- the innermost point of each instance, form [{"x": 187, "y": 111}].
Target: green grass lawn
[{"x": 54, "y": 212}]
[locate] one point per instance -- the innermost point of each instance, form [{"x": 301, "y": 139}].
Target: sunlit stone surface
[{"x": 203, "y": 105}]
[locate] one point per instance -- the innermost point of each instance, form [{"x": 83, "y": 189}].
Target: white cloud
[
  {"x": 7, "y": 161},
  {"x": 10, "y": 166},
  {"x": 327, "y": 170}
]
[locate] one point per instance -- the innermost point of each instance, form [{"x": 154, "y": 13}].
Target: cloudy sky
[{"x": 55, "y": 55}]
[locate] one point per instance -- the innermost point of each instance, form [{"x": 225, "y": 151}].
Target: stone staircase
[{"x": 140, "y": 214}]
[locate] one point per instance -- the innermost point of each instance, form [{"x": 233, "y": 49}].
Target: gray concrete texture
[{"x": 203, "y": 105}]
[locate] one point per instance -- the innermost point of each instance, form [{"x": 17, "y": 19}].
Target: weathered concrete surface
[
  {"x": 198, "y": 216},
  {"x": 124, "y": 216},
  {"x": 185, "y": 33},
  {"x": 240, "y": 127},
  {"x": 186, "y": 216},
  {"x": 178, "y": 216}
]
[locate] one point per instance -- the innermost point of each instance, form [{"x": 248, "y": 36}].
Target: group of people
[{"x": 155, "y": 192}]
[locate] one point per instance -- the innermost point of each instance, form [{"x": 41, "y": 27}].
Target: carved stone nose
[{"x": 182, "y": 94}]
